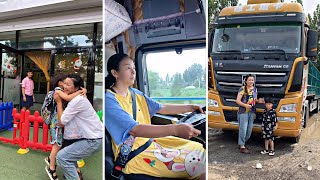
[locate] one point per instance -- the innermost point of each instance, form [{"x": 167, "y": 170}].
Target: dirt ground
[{"x": 290, "y": 162}]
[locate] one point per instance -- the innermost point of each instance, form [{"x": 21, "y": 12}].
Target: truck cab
[
  {"x": 167, "y": 41},
  {"x": 272, "y": 41}
]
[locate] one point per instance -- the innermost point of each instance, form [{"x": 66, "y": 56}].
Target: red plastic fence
[{"x": 21, "y": 123}]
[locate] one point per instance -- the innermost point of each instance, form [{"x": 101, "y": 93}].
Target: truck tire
[
  {"x": 227, "y": 131},
  {"x": 295, "y": 139}
]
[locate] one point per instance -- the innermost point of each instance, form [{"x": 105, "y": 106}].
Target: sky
[{"x": 308, "y": 5}]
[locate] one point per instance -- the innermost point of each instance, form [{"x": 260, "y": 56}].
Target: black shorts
[
  {"x": 267, "y": 134},
  {"x": 28, "y": 103}
]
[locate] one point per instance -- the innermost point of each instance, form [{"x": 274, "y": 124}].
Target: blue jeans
[
  {"x": 245, "y": 127},
  {"x": 67, "y": 157}
]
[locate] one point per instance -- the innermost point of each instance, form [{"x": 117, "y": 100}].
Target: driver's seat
[{"x": 109, "y": 164}]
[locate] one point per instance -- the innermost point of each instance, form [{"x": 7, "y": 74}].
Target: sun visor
[
  {"x": 167, "y": 20},
  {"x": 117, "y": 19}
]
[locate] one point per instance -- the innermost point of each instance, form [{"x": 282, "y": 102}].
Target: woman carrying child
[
  {"x": 81, "y": 125},
  {"x": 56, "y": 131}
]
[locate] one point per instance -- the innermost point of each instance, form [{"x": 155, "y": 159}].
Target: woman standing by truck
[{"x": 246, "y": 99}]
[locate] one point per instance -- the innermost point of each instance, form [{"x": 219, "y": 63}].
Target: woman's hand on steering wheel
[
  {"x": 186, "y": 131},
  {"x": 195, "y": 108}
]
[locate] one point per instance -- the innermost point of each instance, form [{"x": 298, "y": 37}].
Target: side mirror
[{"x": 312, "y": 43}]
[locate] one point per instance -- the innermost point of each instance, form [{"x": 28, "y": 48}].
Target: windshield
[
  {"x": 177, "y": 77},
  {"x": 252, "y": 37}
]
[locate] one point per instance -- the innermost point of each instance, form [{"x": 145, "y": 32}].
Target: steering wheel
[{"x": 198, "y": 121}]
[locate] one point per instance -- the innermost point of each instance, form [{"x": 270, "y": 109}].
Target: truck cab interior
[{"x": 167, "y": 41}]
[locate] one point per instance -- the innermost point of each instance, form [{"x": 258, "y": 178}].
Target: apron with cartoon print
[{"x": 169, "y": 157}]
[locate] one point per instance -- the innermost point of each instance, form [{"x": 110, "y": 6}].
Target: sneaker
[
  {"x": 51, "y": 172},
  {"x": 265, "y": 152},
  {"x": 271, "y": 153},
  {"x": 47, "y": 160},
  {"x": 244, "y": 150}
]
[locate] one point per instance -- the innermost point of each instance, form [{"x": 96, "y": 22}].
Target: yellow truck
[{"x": 272, "y": 41}]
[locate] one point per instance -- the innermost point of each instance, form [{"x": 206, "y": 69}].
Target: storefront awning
[{"x": 58, "y": 14}]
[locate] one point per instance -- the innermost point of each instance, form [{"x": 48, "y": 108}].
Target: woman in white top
[{"x": 81, "y": 125}]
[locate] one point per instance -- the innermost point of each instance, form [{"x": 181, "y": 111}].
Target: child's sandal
[
  {"x": 80, "y": 175},
  {"x": 47, "y": 160},
  {"x": 51, "y": 173}
]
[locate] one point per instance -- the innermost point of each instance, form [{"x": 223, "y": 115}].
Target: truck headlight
[
  {"x": 212, "y": 102},
  {"x": 290, "y": 119},
  {"x": 214, "y": 113},
  {"x": 288, "y": 108}
]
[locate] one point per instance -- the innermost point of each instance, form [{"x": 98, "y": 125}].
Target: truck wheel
[
  {"x": 227, "y": 131},
  {"x": 295, "y": 139}
]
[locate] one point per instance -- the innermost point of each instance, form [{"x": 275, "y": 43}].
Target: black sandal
[
  {"x": 47, "y": 160},
  {"x": 80, "y": 175},
  {"x": 51, "y": 172}
]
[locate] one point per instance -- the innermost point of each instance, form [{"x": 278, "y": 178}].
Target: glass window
[
  {"x": 177, "y": 77},
  {"x": 99, "y": 34},
  {"x": 10, "y": 64},
  {"x": 8, "y": 38},
  {"x": 72, "y": 63},
  {"x": 39, "y": 80},
  {"x": 98, "y": 79},
  {"x": 255, "y": 37},
  {"x": 98, "y": 60},
  {"x": 10, "y": 79},
  {"x": 57, "y": 37}
]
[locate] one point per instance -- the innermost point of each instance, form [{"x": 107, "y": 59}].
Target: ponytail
[
  {"x": 113, "y": 64},
  {"x": 110, "y": 80}
]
